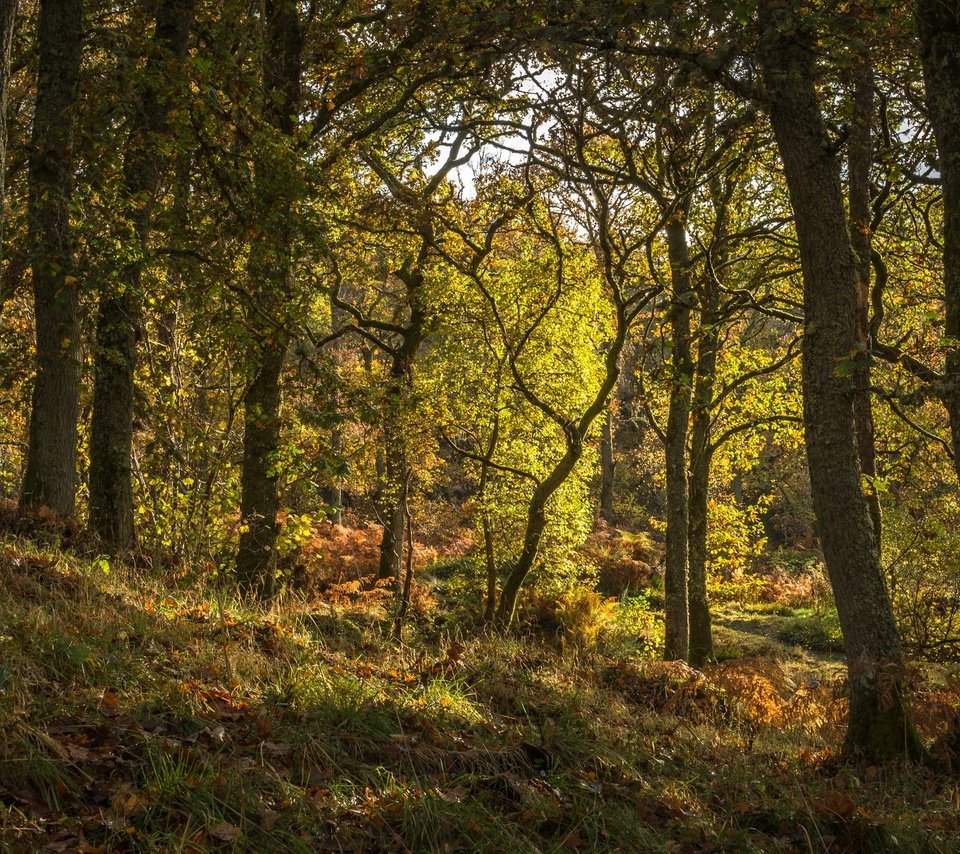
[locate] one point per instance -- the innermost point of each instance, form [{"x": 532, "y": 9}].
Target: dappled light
[{"x": 436, "y": 426}]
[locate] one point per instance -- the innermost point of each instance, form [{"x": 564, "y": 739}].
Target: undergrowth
[{"x": 142, "y": 718}]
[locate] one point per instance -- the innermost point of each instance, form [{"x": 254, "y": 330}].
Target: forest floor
[{"x": 138, "y": 716}]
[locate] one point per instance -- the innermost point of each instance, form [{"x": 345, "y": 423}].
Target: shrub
[{"x": 624, "y": 560}]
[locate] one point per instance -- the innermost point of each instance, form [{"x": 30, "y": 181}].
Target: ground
[{"x": 141, "y": 716}]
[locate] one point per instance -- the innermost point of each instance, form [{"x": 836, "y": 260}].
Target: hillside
[{"x": 143, "y": 717}]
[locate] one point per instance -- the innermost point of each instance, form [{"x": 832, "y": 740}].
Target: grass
[
  {"x": 139, "y": 718},
  {"x": 814, "y": 630}
]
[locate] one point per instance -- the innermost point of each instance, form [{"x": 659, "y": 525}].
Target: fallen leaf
[
  {"x": 111, "y": 703},
  {"x": 839, "y": 803}
]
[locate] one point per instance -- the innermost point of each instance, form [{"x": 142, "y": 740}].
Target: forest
[{"x": 475, "y": 425}]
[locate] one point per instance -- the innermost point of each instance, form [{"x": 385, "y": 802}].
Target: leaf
[
  {"x": 840, "y": 804},
  {"x": 111, "y": 703},
  {"x": 226, "y": 832}
]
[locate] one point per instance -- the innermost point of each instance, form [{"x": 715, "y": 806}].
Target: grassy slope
[{"x": 145, "y": 720}]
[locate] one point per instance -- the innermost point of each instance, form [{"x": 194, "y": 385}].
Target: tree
[
  {"x": 51, "y": 472},
  {"x": 8, "y": 17},
  {"x": 860, "y": 209},
  {"x": 938, "y": 24},
  {"x": 879, "y": 724},
  {"x": 269, "y": 270},
  {"x": 119, "y": 309}
]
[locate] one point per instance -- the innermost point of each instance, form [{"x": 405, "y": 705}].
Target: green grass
[
  {"x": 137, "y": 718},
  {"x": 814, "y": 630}
]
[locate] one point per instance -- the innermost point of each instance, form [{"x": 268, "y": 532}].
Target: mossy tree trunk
[
  {"x": 701, "y": 458},
  {"x": 676, "y": 581},
  {"x": 607, "y": 467},
  {"x": 938, "y": 24},
  {"x": 269, "y": 275},
  {"x": 119, "y": 309},
  {"x": 394, "y": 494},
  {"x": 880, "y": 726},
  {"x": 51, "y": 472},
  {"x": 859, "y": 161},
  {"x": 8, "y": 19}
]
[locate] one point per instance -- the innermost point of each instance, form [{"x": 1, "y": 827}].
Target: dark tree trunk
[
  {"x": 404, "y": 603},
  {"x": 607, "y": 467},
  {"x": 394, "y": 497},
  {"x": 676, "y": 617},
  {"x": 333, "y": 496},
  {"x": 859, "y": 161},
  {"x": 490, "y": 566},
  {"x": 269, "y": 273},
  {"x": 701, "y": 457},
  {"x": 392, "y": 502},
  {"x": 8, "y": 17},
  {"x": 259, "y": 497},
  {"x": 111, "y": 430},
  {"x": 51, "y": 473},
  {"x": 938, "y": 23},
  {"x": 879, "y": 724},
  {"x": 332, "y": 492}
]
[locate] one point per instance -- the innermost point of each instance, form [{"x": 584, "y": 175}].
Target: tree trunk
[
  {"x": 404, "y": 603},
  {"x": 879, "y": 723},
  {"x": 111, "y": 430},
  {"x": 332, "y": 492},
  {"x": 676, "y": 617},
  {"x": 859, "y": 161},
  {"x": 8, "y": 17},
  {"x": 938, "y": 24},
  {"x": 394, "y": 497},
  {"x": 269, "y": 275},
  {"x": 392, "y": 508},
  {"x": 490, "y": 567},
  {"x": 51, "y": 472},
  {"x": 536, "y": 525},
  {"x": 607, "y": 468},
  {"x": 259, "y": 497},
  {"x": 701, "y": 457},
  {"x": 574, "y": 433}
]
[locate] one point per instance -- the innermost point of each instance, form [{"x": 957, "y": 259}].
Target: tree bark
[
  {"x": 115, "y": 355},
  {"x": 394, "y": 497},
  {"x": 259, "y": 495},
  {"x": 51, "y": 472},
  {"x": 676, "y": 617},
  {"x": 269, "y": 274},
  {"x": 490, "y": 569},
  {"x": 859, "y": 161},
  {"x": 392, "y": 507},
  {"x": 607, "y": 467},
  {"x": 879, "y": 723},
  {"x": 8, "y": 18},
  {"x": 938, "y": 24},
  {"x": 701, "y": 458}
]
